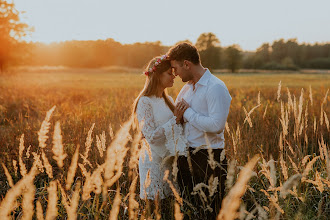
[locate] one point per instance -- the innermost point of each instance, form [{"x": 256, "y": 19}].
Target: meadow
[{"x": 78, "y": 159}]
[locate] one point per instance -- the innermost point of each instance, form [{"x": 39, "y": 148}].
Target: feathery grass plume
[
  {"x": 42, "y": 133},
  {"x": 321, "y": 115},
  {"x": 9, "y": 178},
  {"x": 189, "y": 161},
  {"x": 230, "y": 174},
  {"x": 28, "y": 198},
  {"x": 22, "y": 166},
  {"x": 52, "y": 201},
  {"x": 294, "y": 165},
  {"x": 116, "y": 153},
  {"x": 274, "y": 200},
  {"x": 248, "y": 118},
  {"x": 264, "y": 170},
  {"x": 325, "y": 97},
  {"x": 283, "y": 121},
  {"x": 231, "y": 202},
  {"x": 272, "y": 169},
  {"x": 57, "y": 149},
  {"x": 28, "y": 152},
  {"x": 97, "y": 180},
  {"x": 39, "y": 211},
  {"x": 177, "y": 213},
  {"x": 71, "y": 207},
  {"x": 88, "y": 143},
  {"x": 295, "y": 108},
  {"x": 147, "y": 181},
  {"x": 93, "y": 183},
  {"x": 175, "y": 168},
  {"x": 198, "y": 189},
  {"x": 135, "y": 153},
  {"x": 176, "y": 194},
  {"x": 321, "y": 151},
  {"x": 213, "y": 164},
  {"x": 309, "y": 166},
  {"x": 85, "y": 160},
  {"x": 300, "y": 106},
  {"x": 283, "y": 167},
  {"x": 38, "y": 162},
  {"x": 305, "y": 159},
  {"x": 7, "y": 204},
  {"x": 88, "y": 187},
  {"x": 72, "y": 169},
  {"x": 213, "y": 184},
  {"x": 223, "y": 155},
  {"x": 198, "y": 148},
  {"x": 48, "y": 167},
  {"x": 227, "y": 128},
  {"x": 287, "y": 185},
  {"x": 290, "y": 103},
  {"x": 99, "y": 145},
  {"x": 111, "y": 132},
  {"x": 311, "y": 95},
  {"x": 306, "y": 117},
  {"x": 265, "y": 112},
  {"x": 318, "y": 181},
  {"x": 133, "y": 205},
  {"x": 326, "y": 119},
  {"x": 259, "y": 101},
  {"x": 115, "y": 206},
  {"x": 83, "y": 170},
  {"x": 15, "y": 167},
  {"x": 279, "y": 91},
  {"x": 103, "y": 141}
]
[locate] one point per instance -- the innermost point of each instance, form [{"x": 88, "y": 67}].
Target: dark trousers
[{"x": 201, "y": 173}]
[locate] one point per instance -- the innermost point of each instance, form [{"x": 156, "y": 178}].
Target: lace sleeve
[
  {"x": 147, "y": 124},
  {"x": 166, "y": 138}
]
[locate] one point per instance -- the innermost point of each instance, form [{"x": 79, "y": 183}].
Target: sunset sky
[{"x": 243, "y": 22}]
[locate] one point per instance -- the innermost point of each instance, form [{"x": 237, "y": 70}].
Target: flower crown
[{"x": 158, "y": 61}]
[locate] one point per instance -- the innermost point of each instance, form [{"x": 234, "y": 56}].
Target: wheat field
[{"x": 69, "y": 150}]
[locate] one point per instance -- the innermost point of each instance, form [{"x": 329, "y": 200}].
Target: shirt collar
[{"x": 205, "y": 78}]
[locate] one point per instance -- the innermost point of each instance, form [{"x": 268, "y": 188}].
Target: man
[{"x": 208, "y": 102}]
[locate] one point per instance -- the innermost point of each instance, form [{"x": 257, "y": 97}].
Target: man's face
[{"x": 180, "y": 70}]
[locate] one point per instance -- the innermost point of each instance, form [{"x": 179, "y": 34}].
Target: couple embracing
[{"x": 189, "y": 129}]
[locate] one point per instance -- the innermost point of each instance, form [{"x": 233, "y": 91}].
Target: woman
[{"x": 162, "y": 130}]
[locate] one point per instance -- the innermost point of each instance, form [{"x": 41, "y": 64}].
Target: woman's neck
[{"x": 159, "y": 93}]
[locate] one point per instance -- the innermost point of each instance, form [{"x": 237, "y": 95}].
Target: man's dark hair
[{"x": 184, "y": 51}]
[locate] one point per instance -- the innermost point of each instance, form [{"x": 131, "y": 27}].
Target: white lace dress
[{"x": 164, "y": 138}]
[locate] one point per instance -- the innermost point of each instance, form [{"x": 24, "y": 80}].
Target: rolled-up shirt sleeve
[{"x": 218, "y": 103}]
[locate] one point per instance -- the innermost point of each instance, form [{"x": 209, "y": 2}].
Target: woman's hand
[{"x": 180, "y": 108}]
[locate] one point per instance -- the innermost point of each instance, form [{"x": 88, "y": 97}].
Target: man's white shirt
[{"x": 207, "y": 115}]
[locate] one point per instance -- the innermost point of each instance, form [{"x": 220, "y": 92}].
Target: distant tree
[
  {"x": 233, "y": 57},
  {"x": 11, "y": 31},
  {"x": 209, "y": 48}
]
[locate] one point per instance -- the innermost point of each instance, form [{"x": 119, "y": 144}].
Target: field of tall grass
[{"x": 68, "y": 148}]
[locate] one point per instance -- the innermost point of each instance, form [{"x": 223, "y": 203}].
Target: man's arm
[{"x": 218, "y": 103}]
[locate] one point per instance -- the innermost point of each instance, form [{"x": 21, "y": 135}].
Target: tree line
[{"x": 279, "y": 55}]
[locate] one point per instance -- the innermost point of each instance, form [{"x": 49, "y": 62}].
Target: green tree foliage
[
  {"x": 233, "y": 57},
  {"x": 289, "y": 55},
  {"x": 11, "y": 31},
  {"x": 210, "y": 51}
]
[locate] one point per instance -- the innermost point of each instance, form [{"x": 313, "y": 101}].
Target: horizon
[{"x": 248, "y": 24}]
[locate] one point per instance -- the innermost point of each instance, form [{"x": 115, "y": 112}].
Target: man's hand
[{"x": 180, "y": 108}]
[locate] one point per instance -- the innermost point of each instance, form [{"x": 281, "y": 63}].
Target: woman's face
[{"x": 167, "y": 78}]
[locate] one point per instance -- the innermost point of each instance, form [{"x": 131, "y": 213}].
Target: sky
[{"x": 248, "y": 23}]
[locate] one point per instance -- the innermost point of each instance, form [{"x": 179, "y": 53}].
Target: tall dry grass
[{"x": 84, "y": 171}]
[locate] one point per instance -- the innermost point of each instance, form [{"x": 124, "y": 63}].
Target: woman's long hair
[{"x": 153, "y": 82}]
